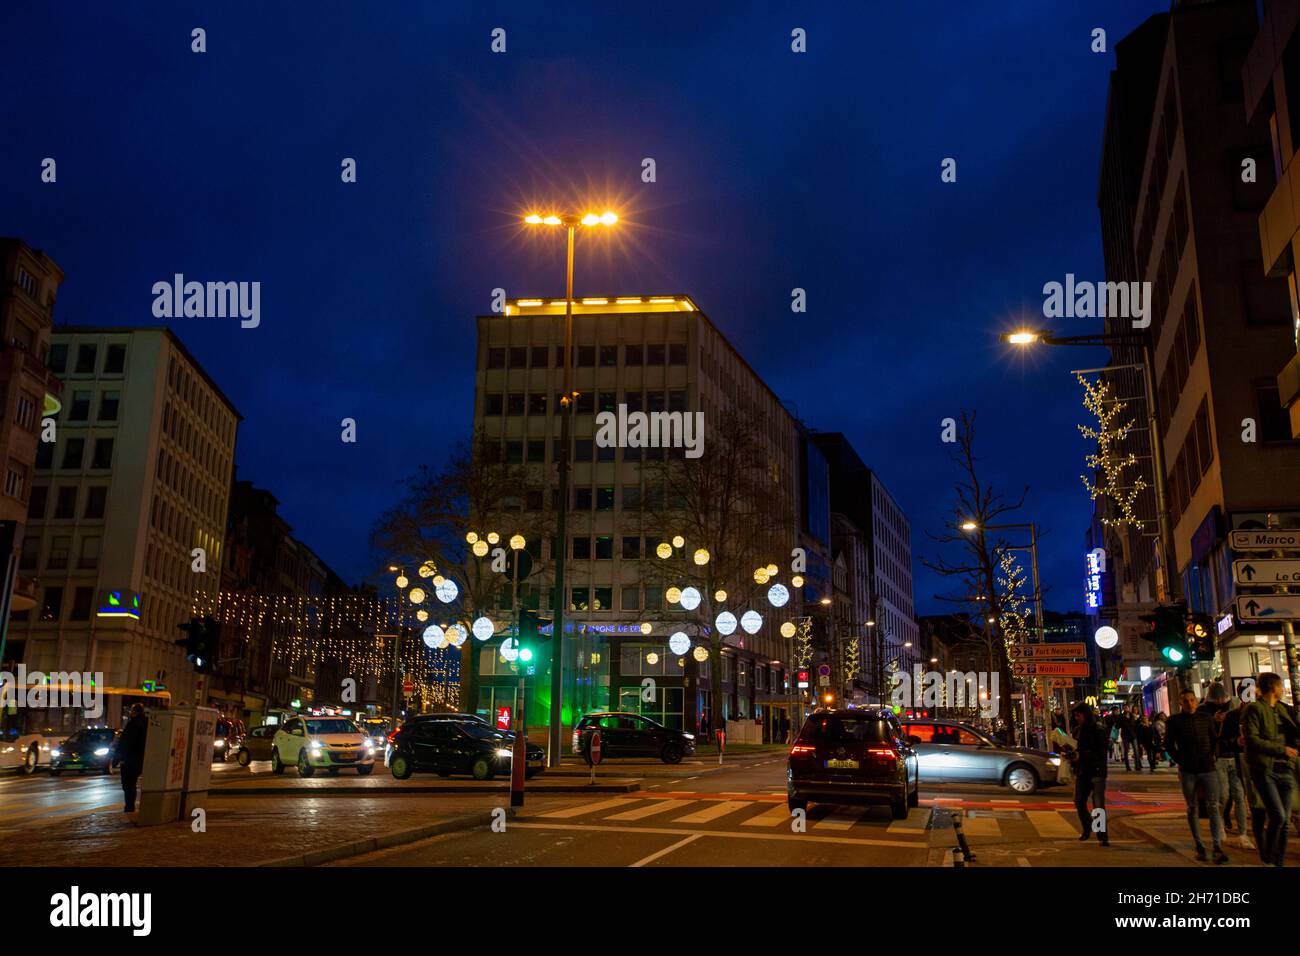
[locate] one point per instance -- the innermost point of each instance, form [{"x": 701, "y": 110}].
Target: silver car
[{"x": 953, "y": 752}]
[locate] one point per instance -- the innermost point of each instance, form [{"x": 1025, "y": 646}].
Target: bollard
[{"x": 966, "y": 851}]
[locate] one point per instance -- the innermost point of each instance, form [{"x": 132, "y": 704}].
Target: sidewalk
[
  {"x": 253, "y": 831},
  {"x": 1170, "y": 830}
]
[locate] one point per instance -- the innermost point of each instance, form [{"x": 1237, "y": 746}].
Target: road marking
[
  {"x": 840, "y": 821},
  {"x": 9, "y": 820},
  {"x": 588, "y": 808},
  {"x": 719, "y": 809},
  {"x": 656, "y": 806},
  {"x": 981, "y": 826},
  {"x": 1050, "y": 824},
  {"x": 728, "y": 835},
  {"x": 774, "y": 816},
  {"x": 666, "y": 850},
  {"x": 917, "y": 820}
]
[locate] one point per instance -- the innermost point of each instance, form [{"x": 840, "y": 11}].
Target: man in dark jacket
[
  {"x": 1271, "y": 733},
  {"x": 1128, "y": 738},
  {"x": 130, "y": 754},
  {"x": 1089, "y": 765},
  {"x": 1227, "y": 720},
  {"x": 1193, "y": 744}
]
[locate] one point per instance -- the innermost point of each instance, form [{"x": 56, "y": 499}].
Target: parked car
[
  {"x": 331, "y": 743},
  {"x": 953, "y": 752},
  {"x": 230, "y": 731},
  {"x": 88, "y": 749},
  {"x": 435, "y": 745},
  {"x": 631, "y": 735},
  {"x": 855, "y": 756},
  {"x": 257, "y": 745}
]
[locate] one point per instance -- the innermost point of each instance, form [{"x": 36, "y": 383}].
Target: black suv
[
  {"x": 853, "y": 756},
  {"x": 631, "y": 735},
  {"x": 436, "y": 745}
]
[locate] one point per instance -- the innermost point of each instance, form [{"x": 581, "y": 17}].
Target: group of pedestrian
[{"x": 1230, "y": 758}]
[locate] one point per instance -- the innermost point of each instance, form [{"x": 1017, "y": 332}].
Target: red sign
[
  {"x": 594, "y": 749},
  {"x": 408, "y": 688},
  {"x": 802, "y": 678},
  {"x": 503, "y": 718}
]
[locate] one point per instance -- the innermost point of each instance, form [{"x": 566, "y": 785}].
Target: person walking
[
  {"x": 130, "y": 754},
  {"x": 1270, "y": 732},
  {"x": 1088, "y": 763},
  {"x": 1194, "y": 748},
  {"x": 1128, "y": 726},
  {"x": 1161, "y": 726},
  {"x": 1227, "y": 720},
  {"x": 1146, "y": 735}
]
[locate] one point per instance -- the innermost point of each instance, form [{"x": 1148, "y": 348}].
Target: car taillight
[
  {"x": 883, "y": 754},
  {"x": 393, "y": 735},
  {"x": 802, "y": 750}
]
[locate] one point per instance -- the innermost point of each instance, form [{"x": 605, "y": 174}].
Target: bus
[{"x": 27, "y": 734}]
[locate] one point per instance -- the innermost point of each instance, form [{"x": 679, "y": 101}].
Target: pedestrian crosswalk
[{"x": 756, "y": 813}]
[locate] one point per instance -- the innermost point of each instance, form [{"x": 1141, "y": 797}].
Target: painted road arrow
[
  {"x": 1262, "y": 571},
  {"x": 1275, "y": 539},
  {"x": 1051, "y": 669},
  {"x": 1268, "y": 607},
  {"x": 1037, "y": 651}
]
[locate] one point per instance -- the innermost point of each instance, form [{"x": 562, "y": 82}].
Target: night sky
[{"x": 775, "y": 170}]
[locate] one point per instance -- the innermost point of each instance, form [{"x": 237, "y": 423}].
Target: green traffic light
[
  {"x": 526, "y": 654},
  {"x": 1174, "y": 654}
]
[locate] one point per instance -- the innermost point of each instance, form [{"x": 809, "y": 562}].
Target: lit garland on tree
[
  {"x": 1108, "y": 459},
  {"x": 852, "y": 661},
  {"x": 1011, "y": 578}
]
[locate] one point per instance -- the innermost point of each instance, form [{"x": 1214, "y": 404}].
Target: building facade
[{"x": 138, "y": 479}]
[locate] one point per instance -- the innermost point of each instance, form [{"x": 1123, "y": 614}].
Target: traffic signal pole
[{"x": 519, "y": 761}]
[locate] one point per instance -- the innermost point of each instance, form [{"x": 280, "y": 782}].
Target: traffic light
[
  {"x": 1169, "y": 633},
  {"x": 1200, "y": 635},
  {"x": 202, "y": 643},
  {"x": 530, "y": 636}
]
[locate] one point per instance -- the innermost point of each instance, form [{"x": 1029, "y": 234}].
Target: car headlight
[
  {"x": 689, "y": 736},
  {"x": 56, "y": 753},
  {"x": 316, "y": 745},
  {"x": 101, "y": 752},
  {"x": 1054, "y": 761},
  {"x": 370, "y": 751},
  {"x": 218, "y": 744},
  {"x": 503, "y": 752}
]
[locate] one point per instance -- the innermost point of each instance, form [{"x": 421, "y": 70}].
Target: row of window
[
  {"x": 533, "y": 452},
  {"x": 1187, "y": 343},
  {"x": 65, "y": 502},
  {"x": 74, "y": 454},
  {"x": 1194, "y": 460},
  {"x": 586, "y": 356},
  {"x": 538, "y": 403},
  {"x": 87, "y": 359},
  {"x": 79, "y": 407},
  {"x": 59, "y": 556},
  {"x": 50, "y": 606}
]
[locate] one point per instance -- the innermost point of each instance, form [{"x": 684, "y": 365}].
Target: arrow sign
[
  {"x": 1036, "y": 651},
  {"x": 1270, "y": 540},
  {"x": 1265, "y": 573},
  {"x": 1269, "y": 607},
  {"x": 1051, "y": 669}
]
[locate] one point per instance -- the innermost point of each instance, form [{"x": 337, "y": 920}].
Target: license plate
[
  {"x": 345, "y": 756},
  {"x": 534, "y": 763},
  {"x": 842, "y": 765}
]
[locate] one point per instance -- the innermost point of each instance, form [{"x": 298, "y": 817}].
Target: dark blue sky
[{"x": 775, "y": 170}]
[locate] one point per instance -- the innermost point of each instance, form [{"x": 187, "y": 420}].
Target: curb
[
  {"x": 342, "y": 851},
  {"x": 352, "y": 791}
]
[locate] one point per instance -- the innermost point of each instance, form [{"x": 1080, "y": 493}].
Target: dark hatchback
[
  {"x": 857, "y": 756},
  {"x": 631, "y": 735},
  {"x": 446, "y": 747},
  {"x": 89, "y": 749}
]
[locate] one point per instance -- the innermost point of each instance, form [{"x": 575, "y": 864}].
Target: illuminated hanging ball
[
  {"x": 484, "y": 628},
  {"x": 679, "y": 541},
  {"x": 434, "y": 637},
  {"x": 726, "y": 623},
  {"x": 437, "y": 579},
  {"x": 701, "y": 654},
  {"x": 797, "y": 580},
  {"x": 493, "y": 537},
  {"x": 416, "y": 595},
  {"x": 471, "y": 537},
  {"x": 1106, "y": 637},
  {"x": 778, "y": 595},
  {"x": 719, "y": 595},
  {"x": 751, "y": 621},
  {"x": 422, "y": 615},
  {"x": 510, "y": 650},
  {"x": 402, "y": 581},
  {"x": 646, "y": 627},
  {"x": 446, "y": 591},
  {"x": 788, "y": 629},
  {"x": 457, "y": 635},
  {"x": 673, "y": 594},
  {"x": 690, "y": 599},
  {"x": 652, "y": 658},
  {"x": 480, "y": 548},
  {"x": 428, "y": 569},
  {"x": 665, "y": 550},
  {"x": 772, "y": 569},
  {"x": 761, "y": 576},
  {"x": 702, "y": 556},
  {"x": 679, "y": 643},
  {"x": 517, "y": 542}
]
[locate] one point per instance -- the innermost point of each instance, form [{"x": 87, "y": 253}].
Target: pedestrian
[
  {"x": 1270, "y": 732},
  {"x": 1194, "y": 747},
  {"x": 1112, "y": 731},
  {"x": 1128, "y": 737},
  {"x": 1161, "y": 726},
  {"x": 1088, "y": 763},
  {"x": 130, "y": 754},
  {"x": 1146, "y": 735},
  {"x": 1227, "y": 719}
]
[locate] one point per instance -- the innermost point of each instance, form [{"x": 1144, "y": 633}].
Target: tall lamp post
[{"x": 560, "y": 547}]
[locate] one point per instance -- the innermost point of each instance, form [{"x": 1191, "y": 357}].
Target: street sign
[
  {"x": 408, "y": 688},
  {"x": 593, "y": 751},
  {"x": 1036, "y": 651},
  {"x": 503, "y": 718},
  {"x": 1273, "y": 539},
  {"x": 1066, "y": 682},
  {"x": 1265, "y": 573},
  {"x": 1268, "y": 607},
  {"x": 1051, "y": 669},
  {"x": 823, "y": 670}
]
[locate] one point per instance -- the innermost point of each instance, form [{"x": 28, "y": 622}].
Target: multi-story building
[
  {"x": 649, "y": 353},
  {"x": 1176, "y": 216},
  {"x": 137, "y": 482},
  {"x": 29, "y": 284}
]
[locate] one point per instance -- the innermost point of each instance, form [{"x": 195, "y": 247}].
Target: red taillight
[
  {"x": 393, "y": 735},
  {"x": 886, "y": 754},
  {"x": 802, "y": 750}
]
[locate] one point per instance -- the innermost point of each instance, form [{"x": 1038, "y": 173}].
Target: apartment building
[
  {"x": 138, "y": 479},
  {"x": 648, "y": 353}
]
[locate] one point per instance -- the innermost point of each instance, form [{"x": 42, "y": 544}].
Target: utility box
[
  {"x": 163, "y": 777},
  {"x": 198, "y": 766}
]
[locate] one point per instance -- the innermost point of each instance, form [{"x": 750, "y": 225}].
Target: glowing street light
[{"x": 1023, "y": 337}]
